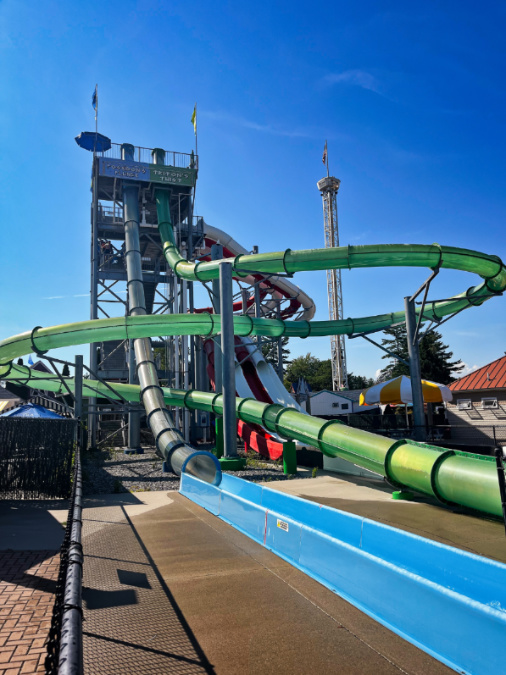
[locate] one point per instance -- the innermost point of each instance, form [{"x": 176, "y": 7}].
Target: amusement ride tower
[{"x": 329, "y": 187}]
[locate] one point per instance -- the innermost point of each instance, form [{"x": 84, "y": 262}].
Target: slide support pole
[
  {"x": 228, "y": 361},
  {"x": 414, "y": 370},
  {"x": 78, "y": 398},
  {"x": 217, "y": 254}
]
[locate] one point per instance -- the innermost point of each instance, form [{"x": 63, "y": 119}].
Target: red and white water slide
[{"x": 254, "y": 376}]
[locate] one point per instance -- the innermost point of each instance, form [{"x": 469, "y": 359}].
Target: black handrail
[{"x": 65, "y": 640}]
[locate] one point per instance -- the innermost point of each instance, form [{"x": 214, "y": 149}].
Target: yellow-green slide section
[{"x": 450, "y": 476}]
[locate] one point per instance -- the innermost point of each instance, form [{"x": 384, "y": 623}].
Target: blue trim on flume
[{"x": 450, "y": 603}]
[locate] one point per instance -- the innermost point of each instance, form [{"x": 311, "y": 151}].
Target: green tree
[
  {"x": 323, "y": 377},
  {"x": 435, "y": 359},
  {"x": 319, "y": 374},
  {"x": 303, "y": 366},
  {"x": 359, "y": 381},
  {"x": 270, "y": 352}
]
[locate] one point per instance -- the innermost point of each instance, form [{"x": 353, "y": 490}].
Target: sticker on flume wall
[{"x": 282, "y": 525}]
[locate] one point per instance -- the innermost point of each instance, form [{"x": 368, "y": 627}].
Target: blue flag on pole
[
  {"x": 30, "y": 360},
  {"x": 94, "y": 98}
]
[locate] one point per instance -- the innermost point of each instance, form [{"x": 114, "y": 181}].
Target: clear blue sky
[{"x": 411, "y": 100}]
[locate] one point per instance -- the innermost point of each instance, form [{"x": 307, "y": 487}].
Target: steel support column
[
  {"x": 78, "y": 398},
  {"x": 414, "y": 370},
  {"x": 92, "y": 401},
  {"x": 228, "y": 360},
  {"x": 217, "y": 254},
  {"x": 258, "y": 310},
  {"x": 134, "y": 418}
]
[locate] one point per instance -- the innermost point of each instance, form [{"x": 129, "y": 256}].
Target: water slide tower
[
  {"x": 329, "y": 187},
  {"x": 144, "y": 169}
]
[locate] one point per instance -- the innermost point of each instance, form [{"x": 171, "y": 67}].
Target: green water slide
[{"x": 450, "y": 476}]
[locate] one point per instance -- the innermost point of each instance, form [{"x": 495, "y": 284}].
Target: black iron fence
[
  {"x": 36, "y": 457},
  {"x": 65, "y": 640},
  {"x": 467, "y": 436}
]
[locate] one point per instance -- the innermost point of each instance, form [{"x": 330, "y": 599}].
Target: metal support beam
[
  {"x": 279, "y": 345},
  {"x": 78, "y": 398},
  {"x": 134, "y": 418},
  {"x": 244, "y": 300},
  {"x": 92, "y": 418},
  {"x": 193, "y": 364},
  {"x": 217, "y": 254},
  {"x": 414, "y": 370},
  {"x": 228, "y": 361},
  {"x": 258, "y": 311}
]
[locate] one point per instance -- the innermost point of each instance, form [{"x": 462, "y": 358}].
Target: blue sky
[{"x": 410, "y": 98}]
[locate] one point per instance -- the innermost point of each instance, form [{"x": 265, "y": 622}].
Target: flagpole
[
  {"x": 196, "y": 132},
  {"x": 196, "y": 156},
  {"x": 95, "y": 98},
  {"x": 327, "y": 159}
]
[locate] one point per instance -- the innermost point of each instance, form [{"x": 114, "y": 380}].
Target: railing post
[
  {"x": 499, "y": 458},
  {"x": 78, "y": 398}
]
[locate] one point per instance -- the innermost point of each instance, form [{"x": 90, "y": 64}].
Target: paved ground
[
  {"x": 27, "y": 585},
  {"x": 169, "y": 588},
  {"x": 31, "y": 534},
  {"x": 172, "y": 589}
]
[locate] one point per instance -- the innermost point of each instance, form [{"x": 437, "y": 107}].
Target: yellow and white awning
[{"x": 398, "y": 391}]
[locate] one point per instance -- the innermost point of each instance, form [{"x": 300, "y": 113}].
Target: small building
[
  {"x": 477, "y": 413},
  {"x": 329, "y": 404},
  {"x": 8, "y": 400}
]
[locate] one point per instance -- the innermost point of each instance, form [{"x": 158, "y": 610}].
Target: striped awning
[{"x": 398, "y": 391}]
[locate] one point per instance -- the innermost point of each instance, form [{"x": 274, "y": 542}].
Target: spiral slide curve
[
  {"x": 450, "y": 476},
  {"x": 255, "y": 377}
]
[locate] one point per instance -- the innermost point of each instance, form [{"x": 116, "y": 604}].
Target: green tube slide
[{"x": 450, "y": 476}]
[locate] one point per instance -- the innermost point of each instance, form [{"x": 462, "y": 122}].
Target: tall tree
[
  {"x": 359, "y": 381},
  {"x": 319, "y": 374},
  {"x": 302, "y": 366},
  {"x": 435, "y": 359},
  {"x": 323, "y": 376},
  {"x": 270, "y": 352}
]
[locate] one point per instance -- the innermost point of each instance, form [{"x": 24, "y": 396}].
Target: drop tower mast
[{"x": 329, "y": 187}]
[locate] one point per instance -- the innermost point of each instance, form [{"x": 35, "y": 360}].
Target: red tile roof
[{"x": 491, "y": 376}]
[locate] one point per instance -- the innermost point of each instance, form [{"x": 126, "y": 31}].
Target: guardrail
[
  {"x": 65, "y": 639},
  {"x": 181, "y": 160}
]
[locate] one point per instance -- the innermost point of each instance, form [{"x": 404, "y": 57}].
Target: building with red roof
[{"x": 477, "y": 413}]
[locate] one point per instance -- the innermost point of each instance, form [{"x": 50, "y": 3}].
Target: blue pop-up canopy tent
[{"x": 32, "y": 410}]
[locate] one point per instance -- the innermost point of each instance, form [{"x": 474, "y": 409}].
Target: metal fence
[
  {"x": 65, "y": 639},
  {"x": 36, "y": 457},
  {"x": 181, "y": 160},
  {"x": 463, "y": 435}
]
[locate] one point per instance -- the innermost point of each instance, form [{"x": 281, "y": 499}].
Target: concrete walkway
[
  {"x": 132, "y": 624},
  {"x": 169, "y": 588},
  {"x": 172, "y": 589}
]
